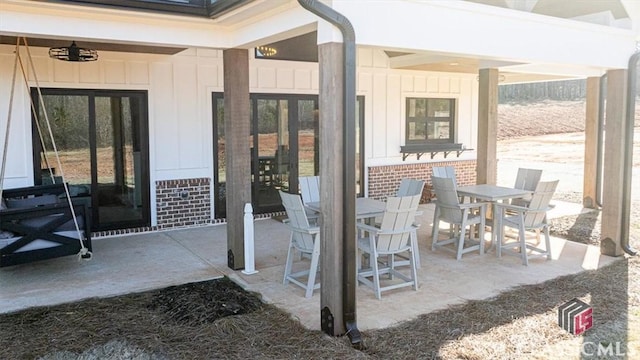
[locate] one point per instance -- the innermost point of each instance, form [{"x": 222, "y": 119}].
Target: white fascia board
[
  {"x": 22, "y": 18},
  {"x": 486, "y": 31},
  {"x": 278, "y": 24}
]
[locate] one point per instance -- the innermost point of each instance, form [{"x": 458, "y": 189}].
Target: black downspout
[
  {"x": 349, "y": 165},
  {"x": 627, "y": 176},
  {"x": 599, "y": 150}
]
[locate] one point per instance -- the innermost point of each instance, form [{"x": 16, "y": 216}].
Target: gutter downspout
[
  {"x": 349, "y": 206},
  {"x": 628, "y": 156}
]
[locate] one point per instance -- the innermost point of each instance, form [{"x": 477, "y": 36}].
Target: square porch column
[
  {"x": 487, "y": 163},
  {"x": 331, "y": 192},
  {"x": 614, "y": 151},
  {"x": 238, "y": 150},
  {"x": 589, "y": 190}
]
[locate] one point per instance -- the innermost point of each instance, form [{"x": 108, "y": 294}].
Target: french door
[
  {"x": 284, "y": 146},
  {"x": 102, "y": 142}
]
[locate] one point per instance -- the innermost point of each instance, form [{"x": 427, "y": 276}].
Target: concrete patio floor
[{"x": 140, "y": 262}]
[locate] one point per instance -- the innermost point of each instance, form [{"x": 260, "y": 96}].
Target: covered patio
[{"x": 160, "y": 259}]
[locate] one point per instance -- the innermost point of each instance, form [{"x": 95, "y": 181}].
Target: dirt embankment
[{"x": 540, "y": 118}]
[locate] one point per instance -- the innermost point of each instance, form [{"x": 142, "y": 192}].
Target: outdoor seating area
[{"x": 160, "y": 259}]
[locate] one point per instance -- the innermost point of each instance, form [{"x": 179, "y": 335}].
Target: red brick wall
[
  {"x": 384, "y": 180},
  {"x": 183, "y": 202}
]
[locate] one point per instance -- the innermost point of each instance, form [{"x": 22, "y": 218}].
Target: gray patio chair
[
  {"x": 309, "y": 188},
  {"x": 410, "y": 187},
  {"x": 445, "y": 172},
  {"x": 392, "y": 237},
  {"x": 305, "y": 239},
  {"x": 526, "y": 179},
  {"x": 449, "y": 209},
  {"x": 530, "y": 218}
]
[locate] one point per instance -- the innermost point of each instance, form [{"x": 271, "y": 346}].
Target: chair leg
[
  {"x": 523, "y": 245},
  {"x": 414, "y": 271},
  {"x": 434, "y": 231},
  {"x": 547, "y": 241},
  {"x": 288, "y": 264},
  {"x": 463, "y": 229},
  {"x": 376, "y": 275},
  {"x": 313, "y": 270},
  {"x": 414, "y": 245}
]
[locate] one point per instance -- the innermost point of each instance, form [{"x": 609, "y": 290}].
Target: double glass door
[
  {"x": 284, "y": 146},
  {"x": 101, "y": 138}
]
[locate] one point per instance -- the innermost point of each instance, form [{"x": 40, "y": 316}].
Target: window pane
[{"x": 439, "y": 108}]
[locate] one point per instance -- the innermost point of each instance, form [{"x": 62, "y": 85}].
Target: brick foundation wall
[
  {"x": 183, "y": 202},
  {"x": 384, "y": 180}
]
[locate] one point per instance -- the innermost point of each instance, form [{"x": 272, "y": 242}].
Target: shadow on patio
[{"x": 141, "y": 262}]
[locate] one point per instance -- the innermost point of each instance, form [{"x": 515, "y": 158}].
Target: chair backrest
[
  {"x": 527, "y": 179},
  {"x": 410, "y": 187},
  {"x": 298, "y": 221},
  {"x": 447, "y": 195},
  {"x": 310, "y": 188},
  {"x": 399, "y": 214},
  {"x": 540, "y": 203},
  {"x": 444, "y": 171}
]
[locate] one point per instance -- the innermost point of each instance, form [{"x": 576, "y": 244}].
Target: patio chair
[
  {"x": 310, "y": 188},
  {"x": 410, "y": 187},
  {"x": 451, "y": 210},
  {"x": 445, "y": 172},
  {"x": 393, "y": 236},
  {"x": 526, "y": 179},
  {"x": 530, "y": 218},
  {"x": 305, "y": 239}
]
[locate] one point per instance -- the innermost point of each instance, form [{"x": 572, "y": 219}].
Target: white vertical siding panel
[
  {"x": 455, "y": 85},
  {"x": 420, "y": 84},
  {"x": 379, "y": 115},
  {"x": 380, "y": 59},
  {"x": 64, "y": 71},
  {"x": 407, "y": 83},
  {"x": 267, "y": 78},
  {"x": 208, "y": 76},
  {"x": 444, "y": 84},
  {"x": 315, "y": 80},
  {"x": 365, "y": 82},
  {"x": 432, "y": 84},
  {"x": 253, "y": 77},
  {"x": 365, "y": 57},
  {"x": 284, "y": 78},
  {"x": 43, "y": 70},
  {"x": 164, "y": 120},
  {"x": 90, "y": 73},
  {"x": 114, "y": 72},
  {"x": 394, "y": 115},
  {"x": 189, "y": 122},
  {"x": 302, "y": 79},
  {"x": 138, "y": 72},
  {"x": 467, "y": 121}
]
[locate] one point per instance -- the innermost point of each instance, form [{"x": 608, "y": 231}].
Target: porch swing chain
[{"x": 84, "y": 251}]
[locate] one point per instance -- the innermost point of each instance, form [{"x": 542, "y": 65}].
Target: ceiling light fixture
[
  {"x": 266, "y": 51},
  {"x": 73, "y": 53}
]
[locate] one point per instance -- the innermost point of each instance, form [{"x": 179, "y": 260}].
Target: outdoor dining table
[
  {"x": 493, "y": 194},
  {"x": 368, "y": 209}
]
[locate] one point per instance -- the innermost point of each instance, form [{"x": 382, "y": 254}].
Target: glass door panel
[
  {"x": 308, "y": 138},
  {"x": 117, "y": 162},
  {"x": 68, "y": 116}
]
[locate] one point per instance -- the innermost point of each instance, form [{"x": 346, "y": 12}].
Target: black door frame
[{"x": 143, "y": 128}]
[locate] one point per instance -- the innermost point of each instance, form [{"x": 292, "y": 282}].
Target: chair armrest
[
  {"x": 311, "y": 231},
  {"x": 378, "y": 231}
]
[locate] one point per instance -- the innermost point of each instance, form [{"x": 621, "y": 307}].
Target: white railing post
[{"x": 249, "y": 248}]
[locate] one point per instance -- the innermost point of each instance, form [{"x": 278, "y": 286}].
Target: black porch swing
[{"x": 40, "y": 222}]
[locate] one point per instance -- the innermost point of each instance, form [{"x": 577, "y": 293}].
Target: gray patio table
[
  {"x": 492, "y": 193},
  {"x": 367, "y": 209}
]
